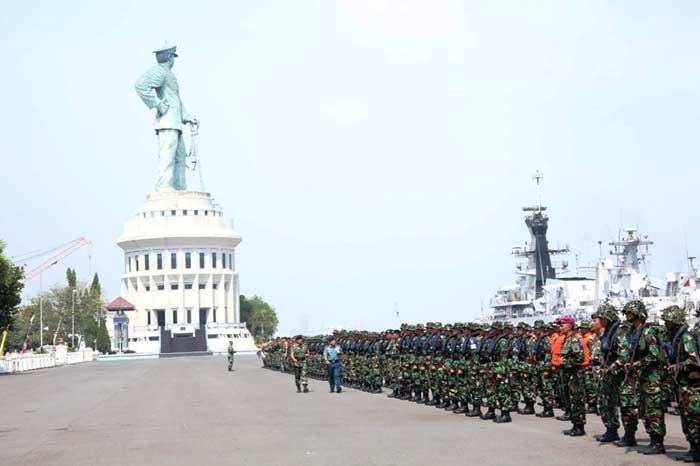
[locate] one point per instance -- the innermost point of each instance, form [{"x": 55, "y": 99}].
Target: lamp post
[
  {"x": 72, "y": 331},
  {"x": 41, "y": 312}
]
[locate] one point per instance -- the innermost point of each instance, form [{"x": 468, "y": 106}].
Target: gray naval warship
[{"x": 547, "y": 289}]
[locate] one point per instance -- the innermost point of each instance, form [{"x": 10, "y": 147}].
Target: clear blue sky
[{"x": 370, "y": 152}]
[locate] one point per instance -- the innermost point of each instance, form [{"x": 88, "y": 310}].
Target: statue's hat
[{"x": 166, "y": 47}]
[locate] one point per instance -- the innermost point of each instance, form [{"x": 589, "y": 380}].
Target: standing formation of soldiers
[{"x": 624, "y": 369}]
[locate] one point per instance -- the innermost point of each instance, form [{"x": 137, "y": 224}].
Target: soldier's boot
[
  {"x": 627, "y": 440},
  {"x": 514, "y": 406},
  {"x": 548, "y": 412},
  {"x": 610, "y": 435},
  {"x": 576, "y": 431},
  {"x": 475, "y": 412},
  {"x": 692, "y": 456},
  {"x": 298, "y": 388},
  {"x": 528, "y": 409},
  {"x": 462, "y": 409},
  {"x": 453, "y": 406},
  {"x": 564, "y": 417},
  {"x": 656, "y": 446},
  {"x": 503, "y": 418},
  {"x": 405, "y": 394},
  {"x": 378, "y": 389},
  {"x": 444, "y": 403},
  {"x": 306, "y": 388},
  {"x": 675, "y": 411},
  {"x": 416, "y": 396},
  {"x": 488, "y": 415},
  {"x": 592, "y": 409},
  {"x": 393, "y": 394},
  {"x": 432, "y": 402}
]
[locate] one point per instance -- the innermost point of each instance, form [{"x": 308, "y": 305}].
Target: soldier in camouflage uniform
[
  {"x": 590, "y": 377},
  {"x": 392, "y": 364},
  {"x": 457, "y": 377},
  {"x": 571, "y": 371},
  {"x": 450, "y": 333},
  {"x": 612, "y": 340},
  {"x": 407, "y": 361},
  {"x": 645, "y": 365},
  {"x": 541, "y": 359},
  {"x": 486, "y": 375},
  {"x": 298, "y": 354},
  {"x": 474, "y": 384},
  {"x": 231, "y": 353},
  {"x": 687, "y": 370},
  {"x": 416, "y": 361},
  {"x": 523, "y": 367},
  {"x": 498, "y": 384}
]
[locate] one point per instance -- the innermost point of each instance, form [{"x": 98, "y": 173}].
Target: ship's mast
[{"x": 539, "y": 254}]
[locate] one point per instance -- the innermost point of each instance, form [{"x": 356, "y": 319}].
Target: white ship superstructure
[{"x": 544, "y": 290}]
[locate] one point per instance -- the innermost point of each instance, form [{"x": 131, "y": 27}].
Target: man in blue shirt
[{"x": 331, "y": 354}]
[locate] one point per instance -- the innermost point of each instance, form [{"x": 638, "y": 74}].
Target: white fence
[{"x": 29, "y": 362}]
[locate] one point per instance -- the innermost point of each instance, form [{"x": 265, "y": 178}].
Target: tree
[
  {"x": 10, "y": 290},
  {"x": 103, "y": 343},
  {"x": 71, "y": 277},
  {"x": 259, "y": 316},
  {"x": 95, "y": 287},
  {"x": 58, "y": 305}
]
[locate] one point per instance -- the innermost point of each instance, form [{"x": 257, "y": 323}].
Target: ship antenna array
[{"x": 538, "y": 178}]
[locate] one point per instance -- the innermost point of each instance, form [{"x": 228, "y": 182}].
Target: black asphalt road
[{"x": 191, "y": 411}]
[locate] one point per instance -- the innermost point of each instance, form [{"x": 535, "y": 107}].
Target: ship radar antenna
[{"x": 538, "y": 178}]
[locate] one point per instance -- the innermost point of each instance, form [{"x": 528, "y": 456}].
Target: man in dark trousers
[{"x": 331, "y": 354}]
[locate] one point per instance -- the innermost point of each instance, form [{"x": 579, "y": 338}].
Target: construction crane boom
[{"x": 66, "y": 251}]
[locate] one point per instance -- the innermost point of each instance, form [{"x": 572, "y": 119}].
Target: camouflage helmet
[
  {"x": 447, "y": 327},
  {"x": 607, "y": 311},
  {"x": 484, "y": 327},
  {"x": 523, "y": 326},
  {"x": 459, "y": 325},
  {"x": 636, "y": 308},
  {"x": 437, "y": 325},
  {"x": 674, "y": 314},
  {"x": 411, "y": 328},
  {"x": 539, "y": 324},
  {"x": 585, "y": 323},
  {"x": 420, "y": 327},
  {"x": 498, "y": 325}
]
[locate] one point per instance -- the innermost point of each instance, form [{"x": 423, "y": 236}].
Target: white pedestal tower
[{"x": 180, "y": 276}]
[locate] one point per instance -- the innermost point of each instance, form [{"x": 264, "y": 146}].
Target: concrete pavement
[{"x": 191, "y": 411}]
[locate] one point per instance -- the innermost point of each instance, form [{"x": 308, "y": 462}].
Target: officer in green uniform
[{"x": 231, "y": 353}]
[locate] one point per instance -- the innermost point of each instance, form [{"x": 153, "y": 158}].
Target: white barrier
[{"x": 29, "y": 362}]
